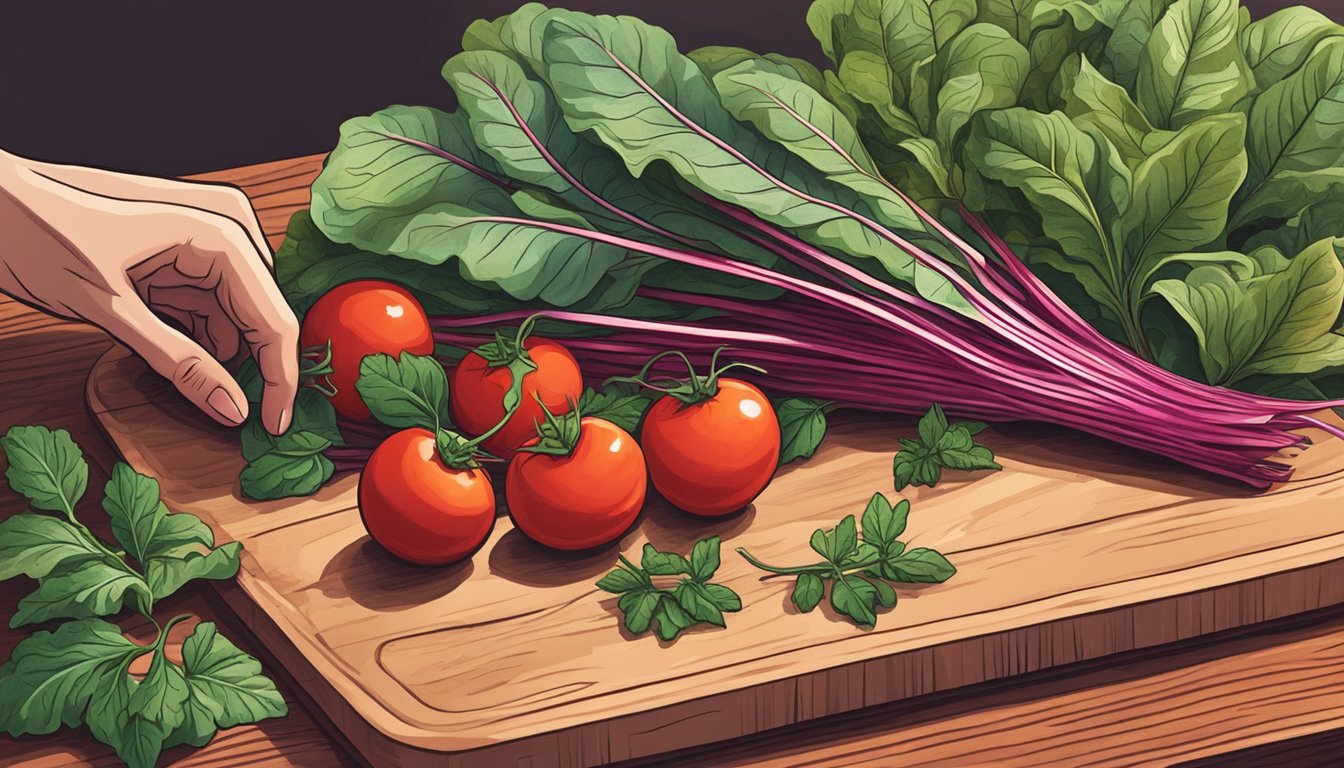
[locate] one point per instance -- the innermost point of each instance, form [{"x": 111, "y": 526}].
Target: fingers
[
  {"x": 197, "y": 375},
  {"x": 249, "y": 296},
  {"x": 198, "y": 311},
  {"x": 219, "y": 199}
]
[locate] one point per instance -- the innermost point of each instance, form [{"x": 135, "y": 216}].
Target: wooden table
[{"x": 1271, "y": 695}]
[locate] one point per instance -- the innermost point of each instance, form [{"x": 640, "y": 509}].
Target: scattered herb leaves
[
  {"x": 620, "y": 408},
  {"x": 859, "y": 565},
  {"x": 670, "y": 608},
  {"x": 940, "y": 445}
]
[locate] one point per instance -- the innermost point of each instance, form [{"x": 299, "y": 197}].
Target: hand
[{"x": 123, "y": 251}]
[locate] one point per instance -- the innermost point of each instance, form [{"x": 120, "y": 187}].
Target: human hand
[{"x": 121, "y": 251}]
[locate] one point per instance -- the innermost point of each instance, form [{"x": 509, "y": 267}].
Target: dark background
[{"x": 182, "y": 86}]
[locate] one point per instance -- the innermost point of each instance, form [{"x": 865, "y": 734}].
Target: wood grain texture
[
  {"x": 1269, "y": 695},
  {"x": 1075, "y": 551}
]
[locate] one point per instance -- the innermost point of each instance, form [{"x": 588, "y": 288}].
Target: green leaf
[
  {"x": 886, "y": 596},
  {"x": 958, "y": 450},
  {"x": 1192, "y": 65},
  {"x": 1278, "y": 320},
  {"x": 882, "y": 522},
  {"x": 34, "y": 544},
  {"x": 295, "y": 467},
  {"x": 704, "y": 559},
  {"x": 45, "y": 467},
  {"x": 696, "y": 601},
  {"x": 199, "y": 714},
  {"x": 855, "y": 597},
  {"x": 161, "y": 696},
  {"x": 982, "y": 68},
  {"x": 1073, "y": 179},
  {"x": 1181, "y": 193},
  {"x": 623, "y": 410},
  {"x": 1278, "y": 44},
  {"x": 921, "y": 565},
  {"x": 932, "y": 425},
  {"x": 81, "y": 588},
  {"x": 843, "y": 539},
  {"x": 802, "y": 427},
  {"x": 619, "y": 581},
  {"x": 412, "y": 182},
  {"x": 877, "y": 43},
  {"x": 1093, "y": 102},
  {"x": 1128, "y": 42},
  {"x": 638, "y": 607},
  {"x": 405, "y": 391},
  {"x": 1293, "y": 141},
  {"x": 624, "y": 82},
  {"x": 714, "y": 59},
  {"x": 51, "y": 677},
  {"x": 217, "y": 669},
  {"x": 664, "y": 563},
  {"x": 671, "y": 618},
  {"x": 726, "y": 599},
  {"x": 167, "y": 575},
  {"x": 808, "y": 591},
  {"x": 915, "y": 464}
]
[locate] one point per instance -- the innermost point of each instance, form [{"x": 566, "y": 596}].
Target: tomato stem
[{"x": 691, "y": 390}]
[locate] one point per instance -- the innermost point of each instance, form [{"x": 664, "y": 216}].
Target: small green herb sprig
[
  {"x": 670, "y": 607},
  {"x": 940, "y": 445},
  {"x": 859, "y": 570},
  {"x": 79, "y": 673}
]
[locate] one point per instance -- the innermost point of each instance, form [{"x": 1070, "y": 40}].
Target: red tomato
[
  {"x": 477, "y": 394},
  {"x": 364, "y": 317},
  {"x": 418, "y": 508},
  {"x": 583, "y": 500},
  {"x": 713, "y": 457}
]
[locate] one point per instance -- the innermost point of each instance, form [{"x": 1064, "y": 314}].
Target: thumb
[{"x": 196, "y": 374}]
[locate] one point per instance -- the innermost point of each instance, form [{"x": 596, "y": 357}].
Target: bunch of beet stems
[{"x": 848, "y": 337}]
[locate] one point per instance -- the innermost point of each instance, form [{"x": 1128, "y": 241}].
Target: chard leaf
[
  {"x": 1181, "y": 193},
  {"x": 877, "y": 44},
  {"x": 624, "y": 82},
  {"x": 1092, "y": 101},
  {"x": 1129, "y": 39},
  {"x": 1192, "y": 65},
  {"x": 1278, "y": 44},
  {"x": 1074, "y": 180},
  {"x": 1277, "y": 320},
  {"x": 411, "y": 182},
  {"x": 982, "y": 68},
  {"x": 1293, "y": 141},
  {"x": 714, "y": 59}
]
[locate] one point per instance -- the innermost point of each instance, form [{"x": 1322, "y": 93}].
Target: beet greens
[{"x": 642, "y": 199}]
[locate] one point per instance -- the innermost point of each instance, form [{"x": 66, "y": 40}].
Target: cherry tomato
[
  {"x": 418, "y": 508},
  {"x": 364, "y": 317},
  {"x": 477, "y": 394},
  {"x": 585, "y": 499},
  {"x": 712, "y": 457}
]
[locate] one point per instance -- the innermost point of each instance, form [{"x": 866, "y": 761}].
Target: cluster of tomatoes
[{"x": 709, "y": 444}]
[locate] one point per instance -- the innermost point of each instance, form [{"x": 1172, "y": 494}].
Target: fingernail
[
  {"x": 282, "y": 423},
  {"x": 224, "y": 406}
]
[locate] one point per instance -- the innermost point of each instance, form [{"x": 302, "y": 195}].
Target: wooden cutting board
[{"x": 1077, "y": 549}]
